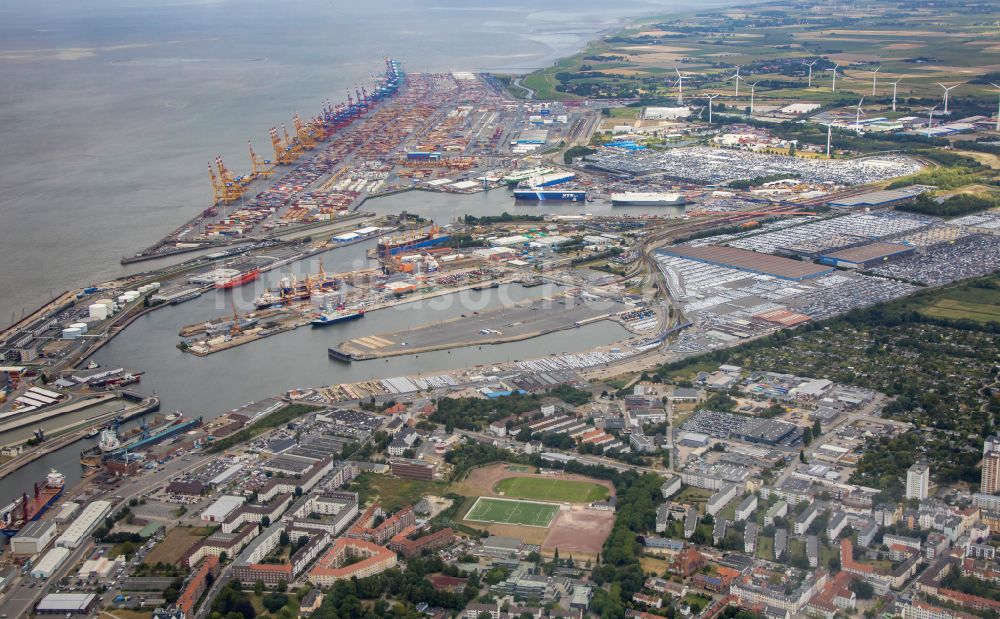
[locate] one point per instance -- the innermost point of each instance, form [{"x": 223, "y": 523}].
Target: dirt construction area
[{"x": 580, "y": 532}]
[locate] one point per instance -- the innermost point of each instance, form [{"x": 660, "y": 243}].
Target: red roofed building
[
  {"x": 365, "y": 528},
  {"x": 331, "y": 567},
  {"x": 443, "y": 582},
  {"x": 688, "y": 562},
  {"x": 195, "y": 587},
  {"x": 402, "y": 543}
]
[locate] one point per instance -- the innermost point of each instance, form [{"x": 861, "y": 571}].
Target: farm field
[
  {"x": 508, "y": 511},
  {"x": 548, "y": 489}
]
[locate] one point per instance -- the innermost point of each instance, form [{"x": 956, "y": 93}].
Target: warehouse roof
[
  {"x": 765, "y": 264},
  {"x": 66, "y": 603},
  {"x": 36, "y": 528},
  {"x": 873, "y": 251},
  {"x": 876, "y": 198}
]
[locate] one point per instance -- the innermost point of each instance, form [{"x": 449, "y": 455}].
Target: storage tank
[
  {"x": 107, "y": 303},
  {"x": 122, "y": 299},
  {"x": 98, "y": 311},
  {"x": 82, "y": 326},
  {"x": 69, "y": 333},
  {"x": 131, "y": 295},
  {"x": 155, "y": 285}
]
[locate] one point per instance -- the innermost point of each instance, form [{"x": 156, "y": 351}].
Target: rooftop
[{"x": 764, "y": 264}]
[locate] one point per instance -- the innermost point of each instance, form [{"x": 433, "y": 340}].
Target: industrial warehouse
[{"x": 751, "y": 262}]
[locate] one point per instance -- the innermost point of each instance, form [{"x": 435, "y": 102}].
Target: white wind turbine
[
  {"x": 857, "y": 116},
  {"x": 736, "y": 76},
  {"x": 998, "y": 107},
  {"x": 752, "y": 87},
  {"x": 930, "y": 119},
  {"x": 874, "y": 77},
  {"x": 810, "y": 65},
  {"x": 833, "y": 87},
  {"x": 710, "y": 99},
  {"x": 829, "y": 135},
  {"x": 947, "y": 89},
  {"x": 680, "y": 87},
  {"x": 894, "y": 85}
]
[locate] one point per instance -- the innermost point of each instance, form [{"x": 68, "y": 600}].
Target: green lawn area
[
  {"x": 548, "y": 489},
  {"x": 630, "y": 113},
  {"x": 765, "y": 547},
  {"x": 959, "y": 310},
  {"x": 505, "y": 511},
  {"x": 690, "y": 494},
  {"x": 963, "y": 302},
  {"x": 394, "y": 493}
]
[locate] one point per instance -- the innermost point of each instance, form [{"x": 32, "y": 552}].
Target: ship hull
[
  {"x": 395, "y": 249},
  {"x": 534, "y": 195},
  {"x": 325, "y": 321},
  {"x": 236, "y": 282}
]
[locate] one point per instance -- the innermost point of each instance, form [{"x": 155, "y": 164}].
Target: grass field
[
  {"x": 507, "y": 511},
  {"x": 177, "y": 542},
  {"x": 392, "y": 492},
  {"x": 965, "y": 302},
  {"x": 548, "y": 489},
  {"x": 958, "y": 310}
]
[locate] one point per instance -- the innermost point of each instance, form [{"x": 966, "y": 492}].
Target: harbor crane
[
  {"x": 306, "y": 137},
  {"x": 283, "y": 154},
  {"x": 261, "y": 168}
]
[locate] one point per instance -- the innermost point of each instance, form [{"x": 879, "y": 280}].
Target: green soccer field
[
  {"x": 507, "y": 511},
  {"x": 548, "y": 489}
]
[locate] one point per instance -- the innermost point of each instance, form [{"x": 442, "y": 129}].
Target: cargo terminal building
[
  {"x": 750, "y": 261},
  {"x": 867, "y": 256}
]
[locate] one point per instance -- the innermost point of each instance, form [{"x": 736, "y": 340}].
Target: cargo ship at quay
[
  {"x": 113, "y": 445},
  {"x": 392, "y": 245},
  {"x": 27, "y": 509},
  {"x": 292, "y": 290},
  {"x": 332, "y": 316}
]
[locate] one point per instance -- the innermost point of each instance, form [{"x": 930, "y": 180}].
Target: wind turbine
[
  {"x": 930, "y": 119},
  {"x": 710, "y": 99},
  {"x": 752, "y": 86},
  {"x": 736, "y": 76},
  {"x": 874, "y": 77},
  {"x": 680, "y": 87},
  {"x": 998, "y": 107},
  {"x": 894, "y": 84},
  {"x": 947, "y": 89},
  {"x": 810, "y": 65},
  {"x": 857, "y": 116},
  {"x": 833, "y": 87},
  {"x": 829, "y": 135}
]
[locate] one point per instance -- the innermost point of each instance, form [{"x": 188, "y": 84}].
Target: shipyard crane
[
  {"x": 282, "y": 153},
  {"x": 261, "y": 168},
  {"x": 305, "y": 137},
  {"x": 235, "y": 329}
]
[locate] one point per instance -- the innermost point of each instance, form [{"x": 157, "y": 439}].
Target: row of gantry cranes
[{"x": 228, "y": 188}]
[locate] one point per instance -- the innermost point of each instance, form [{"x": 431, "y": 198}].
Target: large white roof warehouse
[{"x": 69, "y": 603}]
